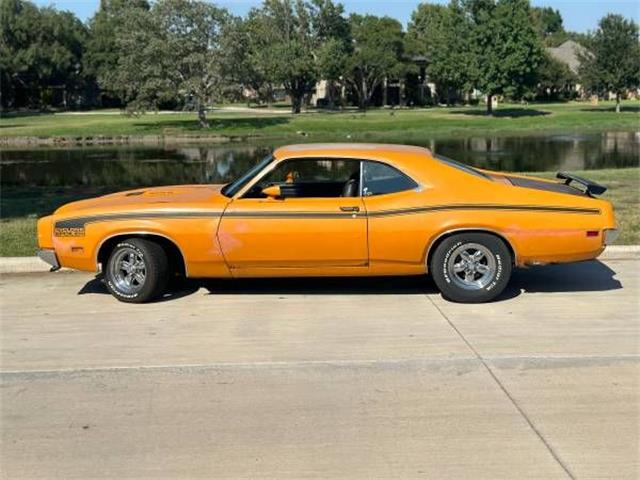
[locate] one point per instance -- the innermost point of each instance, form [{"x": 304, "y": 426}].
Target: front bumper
[{"x": 49, "y": 256}]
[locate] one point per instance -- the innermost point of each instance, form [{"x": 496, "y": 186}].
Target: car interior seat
[{"x": 351, "y": 186}]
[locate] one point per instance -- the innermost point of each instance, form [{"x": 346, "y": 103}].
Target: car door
[{"x": 318, "y": 225}]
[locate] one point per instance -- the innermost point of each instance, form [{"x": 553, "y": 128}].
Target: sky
[{"x": 578, "y": 15}]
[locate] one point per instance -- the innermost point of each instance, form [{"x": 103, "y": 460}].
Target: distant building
[{"x": 568, "y": 53}]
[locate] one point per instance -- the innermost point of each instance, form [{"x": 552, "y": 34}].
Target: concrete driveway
[{"x": 369, "y": 378}]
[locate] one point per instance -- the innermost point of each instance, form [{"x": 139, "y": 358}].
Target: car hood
[{"x": 174, "y": 196}]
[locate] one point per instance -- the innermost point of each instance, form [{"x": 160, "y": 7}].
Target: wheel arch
[
  {"x": 431, "y": 248},
  {"x": 176, "y": 257}
]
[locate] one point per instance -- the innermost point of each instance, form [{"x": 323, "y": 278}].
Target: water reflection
[
  {"x": 542, "y": 153},
  {"x": 126, "y": 167},
  {"x": 37, "y": 181},
  {"x": 133, "y": 167}
]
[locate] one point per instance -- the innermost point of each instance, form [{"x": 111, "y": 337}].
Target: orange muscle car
[{"x": 335, "y": 209}]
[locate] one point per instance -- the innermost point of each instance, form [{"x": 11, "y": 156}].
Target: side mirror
[{"x": 272, "y": 192}]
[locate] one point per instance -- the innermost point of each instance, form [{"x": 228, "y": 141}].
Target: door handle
[{"x": 350, "y": 209}]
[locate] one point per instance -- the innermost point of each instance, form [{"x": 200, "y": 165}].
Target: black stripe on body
[
  {"x": 525, "y": 208},
  {"x": 80, "y": 222}
]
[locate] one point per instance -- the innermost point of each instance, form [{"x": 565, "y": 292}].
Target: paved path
[{"x": 371, "y": 378}]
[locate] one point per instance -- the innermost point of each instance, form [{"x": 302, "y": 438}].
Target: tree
[
  {"x": 612, "y": 62},
  {"x": 547, "y": 21},
  {"x": 333, "y": 34},
  {"x": 286, "y": 37},
  {"x": 243, "y": 66},
  {"x": 18, "y": 23},
  {"x": 41, "y": 53},
  {"x": 377, "y": 54},
  {"x": 555, "y": 79},
  {"x": 558, "y": 38},
  {"x": 283, "y": 47},
  {"x": 60, "y": 47},
  {"x": 101, "y": 56},
  {"x": 505, "y": 47},
  {"x": 441, "y": 34},
  {"x": 333, "y": 61},
  {"x": 173, "y": 49}
]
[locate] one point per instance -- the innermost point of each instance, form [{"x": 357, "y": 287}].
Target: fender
[
  {"x": 452, "y": 231},
  {"x": 140, "y": 232}
]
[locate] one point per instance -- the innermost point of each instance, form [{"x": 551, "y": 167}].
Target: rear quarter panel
[{"x": 540, "y": 226}]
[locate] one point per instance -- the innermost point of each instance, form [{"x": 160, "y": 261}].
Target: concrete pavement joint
[
  {"x": 327, "y": 363},
  {"x": 524, "y": 415},
  {"x": 248, "y": 365}
]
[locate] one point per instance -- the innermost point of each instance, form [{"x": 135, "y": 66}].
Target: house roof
[{"x": 567, "y": 53}]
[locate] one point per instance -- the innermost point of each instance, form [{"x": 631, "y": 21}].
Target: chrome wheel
[
  {"x": 128, "y": 271},
  {"x": 471, "y": 266}
]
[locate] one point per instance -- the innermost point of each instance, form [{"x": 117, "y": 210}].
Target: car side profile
[{"x": 334, "y": 210}]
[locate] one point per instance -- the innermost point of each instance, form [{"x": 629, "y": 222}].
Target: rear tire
[
  {"x": 471, "y": 267},
  {"x": 137, "y": 271}
]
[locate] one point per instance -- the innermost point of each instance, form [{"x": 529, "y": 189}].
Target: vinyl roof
[{"x": 348, "y": 149}]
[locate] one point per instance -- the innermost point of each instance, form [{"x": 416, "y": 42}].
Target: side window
[
  {"x": 313, "y": 177},
  {"x": 380, "y": 178}
]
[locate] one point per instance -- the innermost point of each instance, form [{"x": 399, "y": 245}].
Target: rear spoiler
[{"x": 592, "y": 188}]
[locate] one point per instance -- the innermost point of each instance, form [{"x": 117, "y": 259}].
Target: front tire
[
  {"x": 471, "y": 267},
  {"x": 137, "y": 271}
]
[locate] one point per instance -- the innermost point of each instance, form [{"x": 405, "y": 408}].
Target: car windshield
[
  {"x": 461, "y": 166},
  {"x": 234, "y": 187}
]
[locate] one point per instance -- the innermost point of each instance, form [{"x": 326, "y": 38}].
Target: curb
[
  {"x": 35, "y": 265},
  {"x": 23, "y": 265},
  {"x": 619, "y": 252}
]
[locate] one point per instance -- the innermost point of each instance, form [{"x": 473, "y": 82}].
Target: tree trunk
[
  {"x": 296, "y": 103},
  {"x": 270, "y": 95},
  {"x": 490, "y": 105},
  {"x": 385, "y": 99},
  {"x": 363, "y": 95},
  {"x": 331, "y": 86},
  {"x": 617, "y": 102},
  {"x": 202, "y": 116}
]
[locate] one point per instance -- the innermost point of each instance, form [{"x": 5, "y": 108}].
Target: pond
[{"x": 34, "y": 182}]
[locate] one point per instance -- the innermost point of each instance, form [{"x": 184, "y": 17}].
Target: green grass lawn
[
  {"x": 18, "y": 234},
  {"x": 378, "y": 124},
  {"x": 18, "y": 237}
]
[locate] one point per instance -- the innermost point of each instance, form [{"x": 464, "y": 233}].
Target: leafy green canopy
[
  {"x": 377, "y": 54},
  {"x": 287, "y": 44},
  {"x": 40, "y": 50},
  {"x": 506, "y": 50},
  {"x": 442, "y": 34},
  {"x": 171, "y": 50},
  {"x": 101, "y": 52},
  {"x": 611, "y": 62}
]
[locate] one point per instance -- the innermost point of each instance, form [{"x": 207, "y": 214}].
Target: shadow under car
[{"x": 589, "y": 276}]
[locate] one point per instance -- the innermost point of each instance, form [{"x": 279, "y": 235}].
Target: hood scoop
[{"x": 150, "y": 193}]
